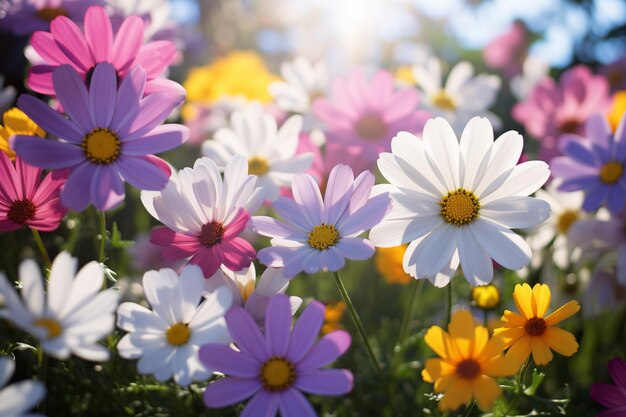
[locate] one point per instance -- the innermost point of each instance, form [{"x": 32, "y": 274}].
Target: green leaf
[
  {"x": 536, "y": 382},
  {"x": 116, "y": 239}
]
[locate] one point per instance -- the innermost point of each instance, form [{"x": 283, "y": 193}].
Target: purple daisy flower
[
  {"x": 594, "y": 164},
  {"x": 612, "y": 396},
  {"x": 320, "y": 234},
  {"x": 274, "y": 368},
  {"x": 109, "y": 138}
]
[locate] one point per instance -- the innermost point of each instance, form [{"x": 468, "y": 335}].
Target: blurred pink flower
[
  {"x": 552, "y": 110},
  {"x": 508, "y": 50}
]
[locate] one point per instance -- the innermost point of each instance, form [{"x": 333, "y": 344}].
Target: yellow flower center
[
  {"x": 535, "y": 326},
  {"x": 611, "y": 172},
  {"x": 468, "y": 369},
  {"x": 460, "y": 207},
  {"x": 566, "y": 220},
  {"x": 371, "y": 127},
  {"x": 486, "y": 296},
  {"x": 323, "y": 236},
  {"x": 21, "y": 211},
  {"x": 211, "y": 233},
  {"x": 101, "y": 146},
  {"x": 54, "y": 327},
  {"x": 49, "y": 13},
  {"x": 178, "y": 334},
  {"x": 258, "y": 166},
  {"x": 277, "y": 374},
  {"x": 443, "y": 101}
]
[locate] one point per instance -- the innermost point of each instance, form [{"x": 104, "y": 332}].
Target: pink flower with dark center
[
  {"x": 28, "y": 200},
  {"x": 612, "y": 396},
  {"x": 66, "y": 44}
]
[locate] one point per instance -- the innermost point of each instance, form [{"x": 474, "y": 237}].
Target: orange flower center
[
  {"x": 323, "y": 236},
  {"x": 611, "y": 172},
  {"x": 468, "y": 369},
  {"x": 21, "y": 211},
  {"x": 460, "y": 207},
  {"x": 277, "y": 374},
  {"x": 566, "y": 220},
  {"x": 51, "y": 325},
  {"x": 443, "y": 101},
  {"x": 371, "y": 127},
  {"x": 535, "y": 326},
  {"x": 258, "y": 166},
  {"x": 101, "y": 146},
  {"x": 211, "y": 233},
  {"x": 178, "y": 334}
]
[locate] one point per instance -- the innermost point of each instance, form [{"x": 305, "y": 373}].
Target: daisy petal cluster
[
  {"x": 72, "y": 316},
  {"x": 469, "y": 363},
  {"x": 456, "y": 201},
  {"x": 304, "y": 82},
  {"x": 109, "y": 138},
  {"x": 166, "y": 339},
  {"x": 16, "y": 399},
  {"x": 204, "y": 215},
  {"x": 276, "y": 367},
  {"x": 319, "y": 234},
  {"x": 532, "y": 331}
]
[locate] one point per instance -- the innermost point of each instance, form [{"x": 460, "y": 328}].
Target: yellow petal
[
  {"x": 500, "y": 366},
  {"x": 511, "y": 319},
  {"x": 444, "y": 382},
  {"x": 486, "y": 390},
  {"x": 509, "y": 336},
  {"x": 522, "y": 295},
  {"x": 541, "y": 351},
  {"x": 562, "y": 313},
  {"x": 541, "y": 294},
  {"x": 561, "y": 341},
  {"x": 519, "y": 351},
  {"x": 435, "y": 368},
  {"x": 481, "y": 337},
  {"x": 459, "y": 392},
  {"x": 461, "y": 330},
  {"x": 437, "y": 339}
]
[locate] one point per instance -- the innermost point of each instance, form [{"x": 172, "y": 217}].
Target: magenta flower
[
  {"x": 362, "y": 116},
  {"x": 66, "y": 44},
  {"x": 274, "y": 368},
  {"x": 612, "y": 396},
  {"x": 28, "y": 200},
  {"x": 320, "y": 234},
  {"x": 508, "y": 50},
  {"x": 26, "y": 16},
  {"x": 552, "y": 110},
  {"x": 595, "y": 164},
  {"x": 109, "y": 138}
]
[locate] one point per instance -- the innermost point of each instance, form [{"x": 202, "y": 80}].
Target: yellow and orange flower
[
  {"x": 332, "y": 317},
  {"x": 16, "y": 123},
  {"x": 486, "y": 297},
  {"x": 389, "y": 264},
  {"x": 468, "y": 364},
  {"x": 531, "y": 332},
  {"x": 617, "y": 109}
]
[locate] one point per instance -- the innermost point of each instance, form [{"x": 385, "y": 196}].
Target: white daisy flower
[
  {"x": 271, "y": 152},
  {"x": 463, "y": 97},
  {"x": 566, "y": 210},
  {"x": 456, "y": 202},
  {"x": 18, "y": 398},
  {"x": 533, "y": 71},
  {"x": 245, "y": 294},
  {"x": 166, "y": 339},
  {"x": 74, "y": 314},
  {"x": 304, "y": 82}
]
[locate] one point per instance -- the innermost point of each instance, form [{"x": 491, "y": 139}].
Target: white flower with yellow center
[
  {"x": 271, "y": 152},
  {"x": 463, "y": 96},
  {"x": 455, "y": 202},
  {"x": 72, "y": 317},
  {"x": 166, "y": 339},
  {"x": 16, "y": 399}
]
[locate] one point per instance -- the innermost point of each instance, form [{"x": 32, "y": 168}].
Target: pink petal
[
  {"x": 237, "y": 254},
  {"x": 99, "y": 34},
  {"x": 71, "y": 42},
  {"x": 127, "y": 42},
  {"x": 175, "y": 245}
]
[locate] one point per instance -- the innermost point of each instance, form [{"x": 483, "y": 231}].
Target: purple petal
[
  {"x": 276, "y": 256},
  {"x": 47, "y": 153},
  {"x": 172, "y": 89},
  {"x": 128, "y": 40},
  {"x": 326, "y": 382},
  {"x": 617, "y": 370},
  {"x": 99, "y": 34},
  {"x": 362, "y": 189},
  {"x": 76, "y": 194},
  {"x": 595, "y": 197},
  {"x": 49, "y": 119},
  {"x": 263, "y": 404},
  {"x": 293, "y": 404},
  {"x": 292, "y": 214},
  {"x": 307, "y": 195},
  {"x": 160, "y": 139},
  {"x": 278, "y": 325},
  {"x": 102, "y": 94},
  {"x": 128, "y": 97},
  {"x": 372, "y": 213},
  {"x": 228, "y": 361},
  {"x": 141, "y": 173},
  {"x": 355, "y": 248},
  {"x": 246, "y": 333},
  {"x": 71, "y": 41},
  {"x": 577, "y": 150},
  {"x": 306, "y": 330},
  {"x": 608, "y": 395},
  {"x": 72, "y": 93},
  {"x": 153, "y": 110},
  {"x": 615, "y": 412},
  {"x": 107, "y": 188},
  {"x": 268, "y": 226},
  {"x": 333, "y": 259},
  {"x": 229, "y": 391},
  {"x": 616, "y": 199},
  {"x": 338, "y": 193},
  {"x": 327, "y": 350}
]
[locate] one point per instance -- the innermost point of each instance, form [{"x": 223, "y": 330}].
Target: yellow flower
[
  {"x": 469, "y": 362},
  {"x": 389, "y": 264},
  {"x": 332, "y": 317},
  {"x": 486, "y": 296},
  {"x": 531, "y": 331},
  {"x": 617, "y": 109},
  {"x": 16, "y": 123},
  {"x": 404, "y": 75},
  {"x": 240, "y": 73}
]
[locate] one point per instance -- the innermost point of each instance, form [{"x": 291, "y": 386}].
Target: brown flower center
[
  {"x": 21, "y": 211},
  {"x": 277, "y": 374},
  {"x": 468, "y": 369},
  {"x": 443, "y": 101},
  {"x": 535, "y": 326},
  {"x": 50, "y": 13},
  {"x": 570, "y": 126},
  {"x": 371, "y": 127},
  {"x": 566, "y": 220},
  {"x": 211, "y": 233},
  {"x": 611, "y": 172}
]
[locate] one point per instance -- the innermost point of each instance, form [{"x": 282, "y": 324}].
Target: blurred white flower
[
  {"x": 533, "y": 71},
  {"x": 7, "y": 95},
  {"x": 18, "y": 398}
]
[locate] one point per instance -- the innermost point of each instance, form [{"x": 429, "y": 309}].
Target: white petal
[
  {"x": 7, "y": 367},
  {"x": 517, "y": 211},
  {"x": 435, "y": 251},
  {"x": 476, "y": 141},
  {"x": 32, "y": 287},
  {"x": 62, "y": 273},
  {"x": 525, "y": 179},
  {"x": 86, "y": 285},
  {"x": 133, "y": 317},
  {"x": 190, "y": 286},
  {"x": 272, "y": 282},
  {"x": 20, "y": 397},
  {"x": 476, "y": 263},
  {"x": 504, "y": 155},
  {"x": 161, "y": 290},
  {"x": 504, "y": 246},
  {"x": 440, "y": 138},
  {"x": 212, "y": 308}
]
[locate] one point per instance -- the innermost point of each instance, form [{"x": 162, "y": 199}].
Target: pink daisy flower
[
  {"x": 362, "y": 116},
  {"x": 66, "y": 44},
  {"x": 204, "y": 215},
  {"x": 26, "y": 16},
  {"x": 320, "y": 234},
  {"x": 274, "y": 369},
  {"x": 28, "y": 200},
  {"x": 109, "y": 138},
  {"x": 552, "y": 110}
]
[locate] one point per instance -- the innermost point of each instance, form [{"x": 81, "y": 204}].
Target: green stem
[
  {"x": 520, "y": 385},
  {"x": 485, "y": 319},
  {"x": 468, "y": 409},
  {"x": 42, "y": 248},
  {"x": 103, "y": 234},
  {"x": 42, "y": 361},
  {"x": 449, "y": 303},
  {"x": 408, "y": 312}
]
